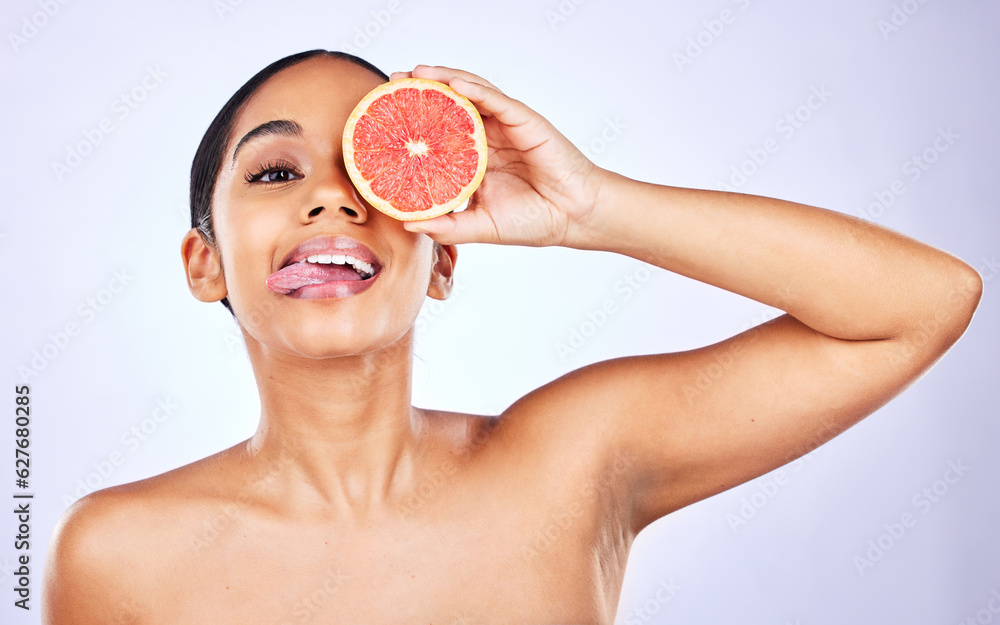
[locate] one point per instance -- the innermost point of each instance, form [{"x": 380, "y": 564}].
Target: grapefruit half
[{"x": 415, "y": 148}]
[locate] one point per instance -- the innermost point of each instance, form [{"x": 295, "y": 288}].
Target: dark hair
[{"x": 208, "y": 159}]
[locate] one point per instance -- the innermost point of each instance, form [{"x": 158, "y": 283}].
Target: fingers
[
  {"x": 507, "y": 110},
  {"x": 454, "y": 228},
  {"x": 398, "y": 75},
  {"x": 487, "y": 97},
  {"x": 445, "y": 74}
]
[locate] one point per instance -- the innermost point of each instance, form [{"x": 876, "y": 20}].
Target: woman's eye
[
  {"x": 280, "y": 175},
  {"x": 273, "y": 173}
]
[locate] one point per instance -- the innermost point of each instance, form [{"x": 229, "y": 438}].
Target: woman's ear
[
  {"x": 442, "y": 271},
  {"x": 203, "y": 267}
]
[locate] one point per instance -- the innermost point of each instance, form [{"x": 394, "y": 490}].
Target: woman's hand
[{"x": 538, "y": 189}]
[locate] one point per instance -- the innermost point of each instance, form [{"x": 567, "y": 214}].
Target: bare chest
[{"x": 493, "y": 563}]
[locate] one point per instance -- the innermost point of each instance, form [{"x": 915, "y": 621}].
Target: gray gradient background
[{"x": 607, "y": 70}]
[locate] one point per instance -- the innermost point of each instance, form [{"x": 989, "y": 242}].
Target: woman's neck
[{"x": 340, "y": 433}]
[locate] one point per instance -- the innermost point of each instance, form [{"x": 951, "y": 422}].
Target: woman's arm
[
  {"x": 869, "y": 311},
  {"x": 839, "y": 275}
]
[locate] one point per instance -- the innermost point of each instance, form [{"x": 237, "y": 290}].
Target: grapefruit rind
[{"x": 364, "y": 186}]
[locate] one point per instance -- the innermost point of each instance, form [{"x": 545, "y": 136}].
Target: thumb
[{"x": 467, "y": 226}]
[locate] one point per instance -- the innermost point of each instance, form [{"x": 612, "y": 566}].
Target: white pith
[{"x": 416, "y": 148}]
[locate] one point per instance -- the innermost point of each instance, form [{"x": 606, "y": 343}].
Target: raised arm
[{"x": 868, "y": 312}]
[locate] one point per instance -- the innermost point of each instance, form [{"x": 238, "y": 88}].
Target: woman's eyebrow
[{"x": 274, "y": 127}]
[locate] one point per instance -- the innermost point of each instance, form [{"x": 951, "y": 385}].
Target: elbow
[
  {"x": 950, "y": 303},
  {"x": 970, "y": 284},
  {"x": 962, "y": 299}
]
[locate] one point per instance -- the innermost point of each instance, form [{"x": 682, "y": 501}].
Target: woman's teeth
[{"x": 364, "y": 269}]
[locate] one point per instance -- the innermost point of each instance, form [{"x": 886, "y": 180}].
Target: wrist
[{"x": 590, "y": 228}]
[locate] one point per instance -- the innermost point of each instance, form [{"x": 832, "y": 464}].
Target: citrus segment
[{"x": 415, "y": 148}]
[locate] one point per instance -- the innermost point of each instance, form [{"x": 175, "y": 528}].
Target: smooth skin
[{"x": 350, "y": 505}]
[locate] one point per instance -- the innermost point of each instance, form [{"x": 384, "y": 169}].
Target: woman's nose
[
  {"x": 334, "y": 191},
  {"x": 352, "y": 214}
]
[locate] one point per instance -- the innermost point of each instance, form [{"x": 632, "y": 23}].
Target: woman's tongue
[{"x": 298, "y": 275}]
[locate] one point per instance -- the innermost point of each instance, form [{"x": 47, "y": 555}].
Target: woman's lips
[
  {"x": 333, "y": 289},
  {"x": 313, "y": 281},
  {"x": 330, "y": 244},
  {"x": 331, "y": 274}
]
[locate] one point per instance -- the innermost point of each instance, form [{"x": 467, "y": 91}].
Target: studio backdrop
[{"x": 884, "y": 110}]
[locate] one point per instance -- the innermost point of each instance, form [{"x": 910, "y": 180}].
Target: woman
[{"x": 351, "y": 505}]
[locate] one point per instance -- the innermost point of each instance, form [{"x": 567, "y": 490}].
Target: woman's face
[{"x": 283, "y": 184}]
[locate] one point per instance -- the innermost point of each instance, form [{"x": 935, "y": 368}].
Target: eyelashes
[{"x": 273, "y": 172}]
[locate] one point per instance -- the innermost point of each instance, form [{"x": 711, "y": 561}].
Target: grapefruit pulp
[{"x": 415, "y": 148}]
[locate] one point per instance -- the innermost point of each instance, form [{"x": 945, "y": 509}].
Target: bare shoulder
[
  {"x": 107, "y": 546},
  {"x": 85, "y": 580},
  {"x": 561, "y": 428},
  {"x": 567, "y": 413}
]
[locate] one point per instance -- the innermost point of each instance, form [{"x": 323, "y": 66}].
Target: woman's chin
[{"x": 323, "y": 339}]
